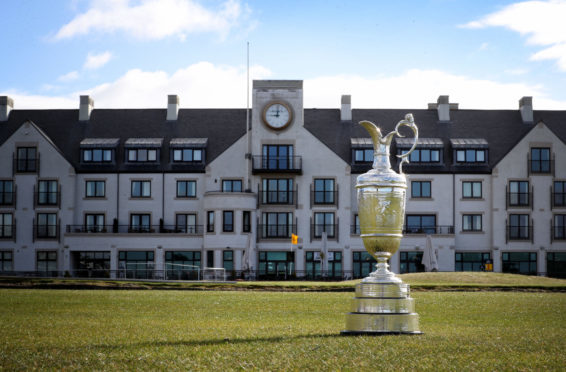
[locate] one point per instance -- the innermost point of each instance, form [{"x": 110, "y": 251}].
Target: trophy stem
[{"x": 382, "y": 273}]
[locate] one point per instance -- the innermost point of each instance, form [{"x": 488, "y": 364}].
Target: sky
[{"x": 385, "y": 54}]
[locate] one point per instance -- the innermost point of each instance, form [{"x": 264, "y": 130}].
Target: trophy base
[{"x": 382, "y": 309}]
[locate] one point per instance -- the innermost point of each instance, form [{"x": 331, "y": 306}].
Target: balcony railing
[
  {"x": 25, "y": 165},
  {"x": 277, "y": 164},
  {"x": 279, "y": 231},
  {"x": 8, "y": 198},
  {"x": 324, "y": 197},
  {"x": 520, "y": 199},
  {"x": 128, "y": 229},
  {"x": 8, "y": 232},
  {"x": 331, "y": 231},
  {"x": 558, "y": 199},
  {"x": 47, "y": 198},
  {"x": 519, "y": 233},
  {"x": 557, "y": 233},
  {"x": 429, "y": 230},
  {"x": 540, "y": 166},
  {"x": 266, "y": 197},
  {"x": 46, "y": 232},
  {"x": 355, "y": 229}
]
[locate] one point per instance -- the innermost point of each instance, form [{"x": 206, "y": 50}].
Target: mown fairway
[{"x": 117, "y": 329}]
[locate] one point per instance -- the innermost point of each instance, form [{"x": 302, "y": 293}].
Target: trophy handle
[{"x": 408, "y": 122}]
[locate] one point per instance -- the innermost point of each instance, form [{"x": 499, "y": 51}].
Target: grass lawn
[{"x": 219, "y": 330}]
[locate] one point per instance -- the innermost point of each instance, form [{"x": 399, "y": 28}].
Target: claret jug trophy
[{"x": 383, "y": 304}]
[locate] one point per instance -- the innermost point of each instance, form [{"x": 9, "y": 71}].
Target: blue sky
[{"x": 386, "y": 54}]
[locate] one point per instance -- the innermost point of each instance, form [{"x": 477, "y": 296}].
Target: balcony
[
  {"x": 266, "y": 197},
  {"x": 429, "y": 230},
  {"x": 194, "y": 230},
  {"x": 331, "y": 231},
  {"x": 277, "y": 164},
  {"x": 324, "y": 198},
  {"x": 281, "y": 231},
  {"x": 8, "y": 198},
  {"x": 519, "y": 233}
]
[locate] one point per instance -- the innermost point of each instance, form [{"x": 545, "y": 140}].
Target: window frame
[
  {"x": 232, "y": 182},
  {"x": 472, "y": 192},
  {"x": 6, "y": 229},
  {"x": 420, "y": 188},
  {"x": 27, "y": 160},
  {"x": 246, "y": 221},
  {"x": 142, "y": 190},
  {"x": 472, "y": 224},
  {"x": 96, "y": 189},
  {"x": 329, "y": 228},
  {"x": 228, "y": 227},
  {"x": 470, "y": 156},
  {"x": 210, "y": 221},
  {"x": 540, "y": 161},
  {"x": 142, "y": 150},
  {"x": 187, "y": 189},
  {"x": 330, "y": 194},
  {"x": 91, "y": 151},
  {"x": 184, "y": 155}
]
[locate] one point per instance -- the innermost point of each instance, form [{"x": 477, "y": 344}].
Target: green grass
[
  {"x": 217, "y": 330},
  {"x": 419, "y": 281}
]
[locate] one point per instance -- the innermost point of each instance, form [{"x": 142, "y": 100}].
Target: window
[
  {"x": 188, "y": 155},
  {"x": 141, "y": 189},
  {"x": 277, "y": 225},
  {"x": 136, "y": 264},
  {"x": 228, "y": 261},
  {"x": 420, "y": 224},
  {"x": 95, "y": 222},
  {"x": 142, "y": 155},
  {"x": 97, "y": 155},
  {"x": 47, "y": 262},
  {"x": 95, "y": 189},
  {"x": 277, "y": 157},
  {"x": 519, "y": 228},
  {"x": 472, "y": 261},
  {"x": 313, "y": 261},
  {"x": 140, "y": 222},
  {"x": 363, "y": 155},
  {"x": 559, "y": 227},
  {"x": 559, "y": 194},
  {"x": 209, "y": 258},
  {"x": 410, "y": 262},
  {"x": 186, "y": 223},
  {"x": 356, "y": 226},
  {"x": 276, "y": 264},
  {"x": 228, "y": 221},
  {"x": 519, "y": 193},
  {"x": 324, "y": 222},
  {"x": 6, "y": 263},
  {"x": 472, "y": 222},
  {"x": 7, "y": 192},
  {"x": 27, "y": 159},
  {"x": 420, "y": 189},
  {"x": 556, "y": 264},
  {"x": 182, "y": 265},
  {"x": 210, "y": 221},
  {"x": 6, "y": 225},
  {"x": 246, "y": 221},
  {"x": 232, "y": 185},
  {"x": 472, "y": 189},
  {"x": 277, "y": 191},
  {"x": 324, "y": 191},
  {"x": 46, "y": 226},
  {"x": 519, "y": 262},
  {"x": 363, "y": 264},
  {"x": 186, "y": 189},
  {"x": 95, "y": 264},
  {"x": 540, "y": 160},
  {"x": 422, "y": 155},
  {"x": 47, "y": 193},
  {"x": 471, "y": 156}
]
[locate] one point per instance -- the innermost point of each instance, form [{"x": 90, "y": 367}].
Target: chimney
[
  {"x": 6, "y": 105},
  {"x": 172, "y": 107},
  {"x": 346, "y": 108},
  {"x": 85, "y": 108},
  {"x": 526, "y": 109},
  {"x": 443, "y": 106}
]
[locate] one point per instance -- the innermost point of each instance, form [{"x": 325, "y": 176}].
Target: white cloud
[
  {"x": 516, "y": 71},
  {"x": 70, "y": 76},
  {"x": 210, "y": 86},
  {"x": 95, "y": 61},
  {"x": 154, "y": 19},
  {"x": 542, "y": 22}
]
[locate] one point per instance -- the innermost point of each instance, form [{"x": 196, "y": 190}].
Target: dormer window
[
  {"x": 98, "y": 150},
  {"x": 428, "y": 150},
  {"x": 143, "y": 150},
  {"x": 362, "y": 150},
  {"x": 469, "y": 151},
  {"x": 188, "y": 150}
]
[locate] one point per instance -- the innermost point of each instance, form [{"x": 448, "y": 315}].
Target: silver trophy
[{"x": 383, "y": 304}]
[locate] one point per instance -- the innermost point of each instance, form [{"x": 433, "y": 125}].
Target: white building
[{"x": 155, "y": 192}]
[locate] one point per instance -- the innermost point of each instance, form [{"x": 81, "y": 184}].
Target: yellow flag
[{"x": 294, "y": 239}]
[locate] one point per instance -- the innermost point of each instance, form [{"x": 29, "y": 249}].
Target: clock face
[{"x": 277, "y": 115}]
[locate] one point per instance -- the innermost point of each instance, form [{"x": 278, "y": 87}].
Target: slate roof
[{"x": 218, "y": 129}]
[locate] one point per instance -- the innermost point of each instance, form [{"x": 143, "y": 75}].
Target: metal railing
[
  {"x": 46, "y": 231},
  {"x": 8, "y": 232},
  {"x": 276, "y": 231},
  {"x": 429, "y": 230},
  {"x": 266, "y": 197},
  {"x": 330, "y": 229},
  {"x": 519, "y": 233},
  {"x": 277, "y": 164},
  {"x": 558, "y": 199},
  {"x": 8, "y": 198},
  {"x": 355, "y": 229},
  {"x": 324, "y": 197},
  {"x": 519, "y": 199},
  {"x": 128, "y": 229},
  {"x": 540, "y": 166},
  {"x": 47, "y": 198},
  {"x": 557, "y": 232},
  {"x": 25, "y": 165}
]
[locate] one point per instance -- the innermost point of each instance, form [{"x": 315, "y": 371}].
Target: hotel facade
[{"x": 167, "y": 193}]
